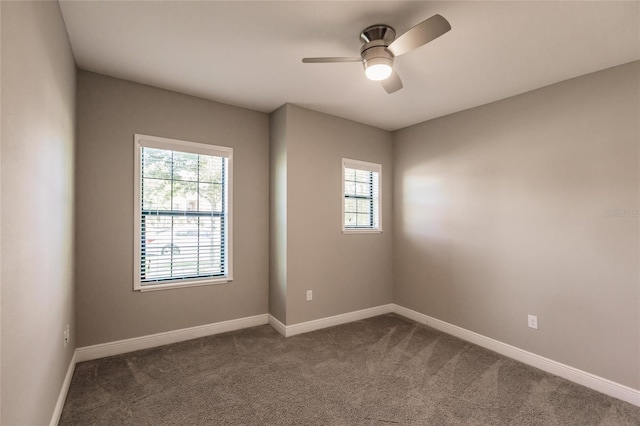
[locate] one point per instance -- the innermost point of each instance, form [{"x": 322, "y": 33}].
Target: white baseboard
[
  {"x": 277, "y": 325},
  {"x": 102, "y": 350},
  {"x": 57, "y": 411},
  {"x": 305, "y": 327},
  {"x": 575, "y": 375}
]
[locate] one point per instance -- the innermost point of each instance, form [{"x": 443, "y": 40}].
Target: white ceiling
[{"x": 249, "y": 53}]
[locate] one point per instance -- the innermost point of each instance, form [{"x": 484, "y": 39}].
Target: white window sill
[
  {"x": 362, "y": 231},
  {"x": 183, "y": 284}
]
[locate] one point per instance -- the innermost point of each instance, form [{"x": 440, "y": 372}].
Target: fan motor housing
[
  {"x": 376, "y": 55},
  {"x": 374, "y": 51}
]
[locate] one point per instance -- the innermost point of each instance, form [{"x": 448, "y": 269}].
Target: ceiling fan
[{"x": 380, "y": 46}]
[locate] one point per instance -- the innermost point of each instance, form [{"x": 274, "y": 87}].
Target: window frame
[
  {"x": 369, "y": 167},
  {"x": 157, "y": 142}
]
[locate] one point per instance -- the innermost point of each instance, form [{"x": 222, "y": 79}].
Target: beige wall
[
  {"x": 38, "y": 96},
  {"x": 278, "y": 214},
  {"x": 110, "y": 111},
  {"x": 345, "y": 272},
  {"x": 500, "y": 212}
]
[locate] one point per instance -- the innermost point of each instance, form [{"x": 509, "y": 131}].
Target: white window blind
[
  {"x": 361, "y": 196},
  {"x": 183, "y": 220}
]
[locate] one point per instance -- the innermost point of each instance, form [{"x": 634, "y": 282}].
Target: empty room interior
[{"x": 317, "y": 212}]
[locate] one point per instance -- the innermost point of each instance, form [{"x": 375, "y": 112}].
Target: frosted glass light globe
[{"x": 378, "y": 72}]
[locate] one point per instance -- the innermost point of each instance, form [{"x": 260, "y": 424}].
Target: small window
[
  {"x": 361, "y": 196},
  {"x": 182, "y": 213}
]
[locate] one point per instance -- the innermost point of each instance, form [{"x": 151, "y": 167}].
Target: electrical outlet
[
  {"x": 533, "y": 321},
  {"x": 309, "y": 295},
  {"x": 66, "y": 335}
]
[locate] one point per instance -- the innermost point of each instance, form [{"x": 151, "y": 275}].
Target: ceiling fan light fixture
[
  {"x": 378, "y": 69},
  {"x": 380, "y": 46},
  {"x": 378, "y": 72}
]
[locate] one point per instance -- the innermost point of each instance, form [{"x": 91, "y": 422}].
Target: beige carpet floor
[{"x": 379, "y": 371}]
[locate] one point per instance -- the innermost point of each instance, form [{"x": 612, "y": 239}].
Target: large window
[
  {"x": 361, "y": 196},
  {"x": 182, "y": 213}
]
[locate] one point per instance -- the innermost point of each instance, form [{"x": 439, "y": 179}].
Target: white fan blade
[
  {"x": 423, "y": 33},
  {"x": 329, "y": 60},
  {"x": 392, "y": 83}
]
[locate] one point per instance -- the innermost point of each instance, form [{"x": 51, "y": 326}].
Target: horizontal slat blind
[
  {"x": 183, "y": 146},
  {"x": 361, "y": 165}
]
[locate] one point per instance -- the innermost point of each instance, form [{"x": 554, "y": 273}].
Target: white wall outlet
[
  {"x": 66, "y": 335},
  {"x": 532, "y": 320},
  {"x": 309, "y": 295}
]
